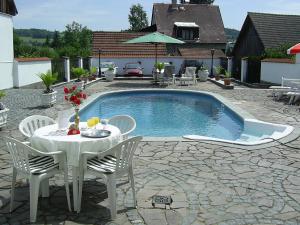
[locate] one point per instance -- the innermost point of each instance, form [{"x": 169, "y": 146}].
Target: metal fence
[
  {"x": 58, "y": 67},
  {"x": 73, "y": 63},
  {"x": 86, "y": 63}
]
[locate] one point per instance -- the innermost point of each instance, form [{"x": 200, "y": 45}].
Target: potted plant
[
  {"x": 159, "y": 66},
  {"x": 48, "y": 97},
  {"x": 3, "y": 111},
  {"x": 93, "y": 73},
  {"x": 227, "y": 78},
  {"x": 203, "y": 73},
  {"x": 219, "y": 71},
  {"x": 78, "y": 73},
  {"x": 109, "y": 74}
]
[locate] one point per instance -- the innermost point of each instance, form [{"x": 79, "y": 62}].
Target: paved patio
[{"x": 211, "y": 183}]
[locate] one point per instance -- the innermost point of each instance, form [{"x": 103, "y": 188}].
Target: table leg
[{"x": 75, "y": 187}]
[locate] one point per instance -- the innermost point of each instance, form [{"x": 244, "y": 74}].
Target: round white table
[{"x": 49, "y": 139}]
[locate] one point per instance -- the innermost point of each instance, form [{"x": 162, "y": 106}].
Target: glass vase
[{"x": 76, "y": 119}]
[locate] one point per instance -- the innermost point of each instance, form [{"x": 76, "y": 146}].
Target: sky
[{"x": 112, "y": 15}]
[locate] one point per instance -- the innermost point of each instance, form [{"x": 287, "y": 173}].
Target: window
[{"x": 187, "y": 35}]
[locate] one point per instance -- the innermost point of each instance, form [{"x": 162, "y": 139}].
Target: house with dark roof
[
  {"x": 7, "y": 11},
  {"x": 263, "y": 31},
  {"x": 200, "y": 26}
]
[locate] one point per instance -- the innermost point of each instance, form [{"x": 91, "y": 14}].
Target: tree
[
  {"x": 137, "y": 18},
  {"x": 56, "y": 42},
  {"x": 47, "y": 42},
  {"x": 77, "y": 38}
]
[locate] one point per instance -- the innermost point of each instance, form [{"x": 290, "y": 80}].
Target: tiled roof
[
  {"x": 112, "y": 45},
  {"x": 275, "y": 29},
  {"x": 200, "y": 53},
  {"x": 32, "y": 59},
  {"x": 207, "y": 17},
  {"x": 9, "y": 8}
]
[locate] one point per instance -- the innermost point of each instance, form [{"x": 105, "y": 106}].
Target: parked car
[
  {"x": 105, "y": 67},
  {"x": 133, "y": 69}
]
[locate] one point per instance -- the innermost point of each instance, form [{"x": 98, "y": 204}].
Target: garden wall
[
  {"x": 147, "y": 63},
  {"x": 26, "y": 70},
  {"x": 272, "y": 70},
  {"x": 7, "y": 51}
]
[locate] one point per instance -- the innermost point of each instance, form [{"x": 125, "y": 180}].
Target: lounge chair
[
  {"x": 189, "y": 76},
  {"x": 168, "y": 76}
]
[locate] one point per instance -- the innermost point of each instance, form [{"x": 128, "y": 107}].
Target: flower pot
[
  {"x": 3, "y": 117},
  {"x": 203, "y": 75},
  {"x": 47, "y": 100},
  {"x": 227, "y": 81},
  {"x": 109, "y": 75},
  {"x": 217, "y": 77}
]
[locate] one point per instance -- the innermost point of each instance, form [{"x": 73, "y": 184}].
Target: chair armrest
[{"x": 37, "y": 152}]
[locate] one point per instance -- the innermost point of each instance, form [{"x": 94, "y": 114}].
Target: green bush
[
  {"x": 159, "y": 66},
  {"x": 219, "y": 70},
  {"x": 78, "y": 72},
  {"x": 2, "y": 94},
  {"x": 279, "y": 52},
  {"x": 93, "y": 71},
  {"x": 48, "y": 79}
]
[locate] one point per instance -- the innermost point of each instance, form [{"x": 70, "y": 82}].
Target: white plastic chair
[
  {"x": 37, "y": 167},
  {"x": 168, "y": 76},
  {"x": 32, "y": 123},
  {"x": 111, "y": 164},
  {"x": 189, "y": 76},
  {"x": 125, "y": 123}
]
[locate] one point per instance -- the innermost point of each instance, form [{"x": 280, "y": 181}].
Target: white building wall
[
  {"x": 273, "y": 72},
  {"x": 147, "y": 63},
  {"x": 26, "y": 73},
  {"x": 6, "y": 51}
]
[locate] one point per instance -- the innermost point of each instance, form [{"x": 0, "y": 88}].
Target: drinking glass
[{"x": 104, "y": 122}]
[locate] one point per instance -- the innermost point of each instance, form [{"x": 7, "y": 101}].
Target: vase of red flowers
[{"x": 75, "y": 96}]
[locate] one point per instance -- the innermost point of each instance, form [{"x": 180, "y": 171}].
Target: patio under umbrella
[
  {"x": 294, "y": 50},
  {"x": 155, "y": 38}
]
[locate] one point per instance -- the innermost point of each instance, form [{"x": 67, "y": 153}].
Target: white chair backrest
[
  {"x": 19, "y": 153},
  {"x": 125, "y": 123},
  {"x": 169, "y": 70},
  {"x": 190, "y": 71},
  {"x": 32, "y": 123},
  {"x": 124, "y": 153}
]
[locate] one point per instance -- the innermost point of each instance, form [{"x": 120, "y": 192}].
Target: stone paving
[{"x": 210, "y": 182}]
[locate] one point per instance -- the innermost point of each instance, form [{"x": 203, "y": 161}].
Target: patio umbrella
[
  {"x": 294, "y": 50},
  {"x": 155, "y": 38}
]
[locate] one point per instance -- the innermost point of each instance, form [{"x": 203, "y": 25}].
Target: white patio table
[{"x": 50, "y": 139}]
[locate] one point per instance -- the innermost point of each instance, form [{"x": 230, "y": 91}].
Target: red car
[{"x": 133, "y": 69}]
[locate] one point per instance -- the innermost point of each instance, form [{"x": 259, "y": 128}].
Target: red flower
[
  {"x": 66, "y": 98},
  {"x": 72, "y": 98},
  {"x": 79, "y": 95},
  {"x": 74, "y": 87},
  {"x": 66, "y": 90},
  {"x": 84, "y": 96},
  {"x": 77, "y": 101}
]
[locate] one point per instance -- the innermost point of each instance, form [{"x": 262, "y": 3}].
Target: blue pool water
[{"x": 169, "y": 113}]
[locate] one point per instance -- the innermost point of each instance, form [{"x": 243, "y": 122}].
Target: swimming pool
[{"x": 173, "y": 113}]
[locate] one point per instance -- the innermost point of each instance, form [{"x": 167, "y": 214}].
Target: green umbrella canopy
[{"x": 154, "y": 38}]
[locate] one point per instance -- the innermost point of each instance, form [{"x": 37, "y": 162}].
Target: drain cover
[{"x": 162, "y": 200}]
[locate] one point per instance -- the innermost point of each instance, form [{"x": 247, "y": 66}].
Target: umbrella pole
[{"x": 155, "y": 61}]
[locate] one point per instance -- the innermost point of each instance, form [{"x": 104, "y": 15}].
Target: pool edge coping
[{"x": 243, "y": 114}]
